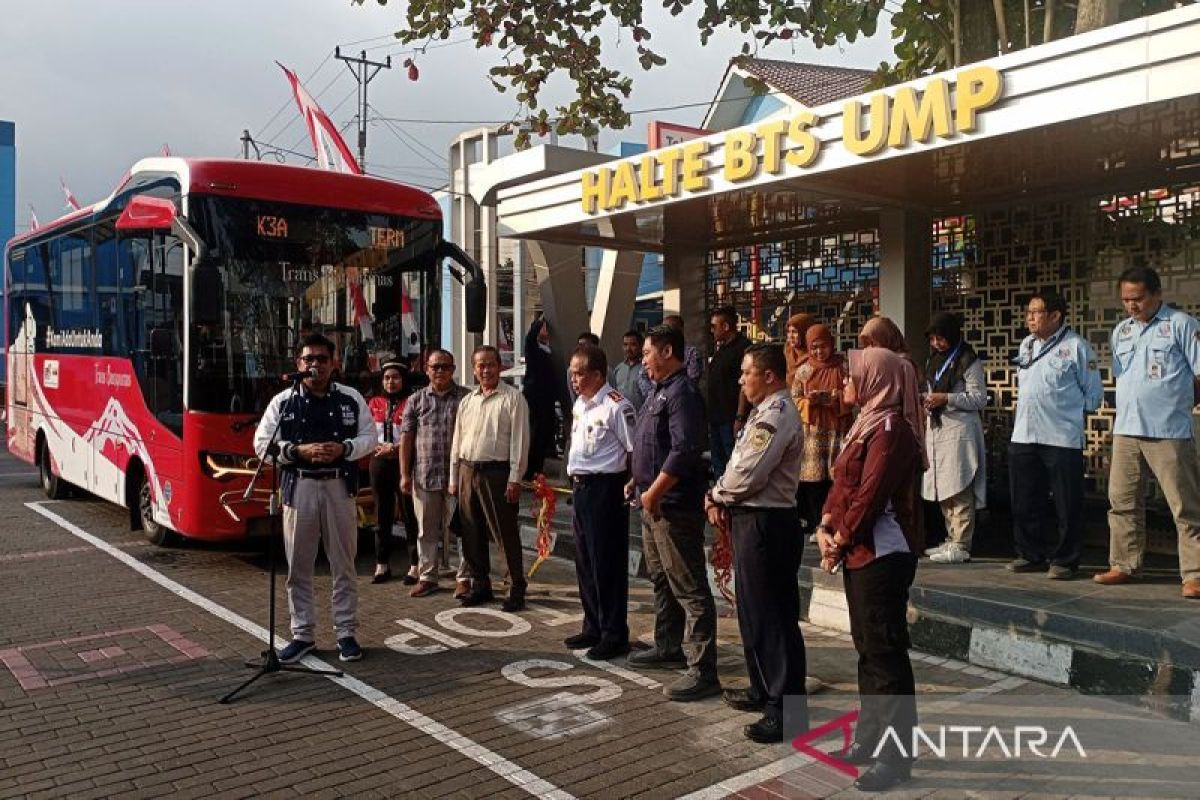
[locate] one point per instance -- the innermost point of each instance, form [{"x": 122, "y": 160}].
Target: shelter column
[
  {"x": 904, "y": 273},
  {"x": 559, "y": 272},
  {"x": 683, "y": 292},
  {"x": 616, "y": 289}
]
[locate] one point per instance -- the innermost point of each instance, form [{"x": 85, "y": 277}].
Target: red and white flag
[
  {"x": 33, "y": 223},
  {"x": 71, "y": 201},
  {"x": 166, "y": 150},
  {"x": 331, "y": 149}
]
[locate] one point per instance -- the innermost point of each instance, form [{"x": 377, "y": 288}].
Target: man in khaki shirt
[{"x": 488, "y": 454}]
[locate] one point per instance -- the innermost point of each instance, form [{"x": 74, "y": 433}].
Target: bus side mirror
[
  {"x": 144, "y": 212},
  {"x": 207, "y": 293},
  {"x": 474, "y": 287}
]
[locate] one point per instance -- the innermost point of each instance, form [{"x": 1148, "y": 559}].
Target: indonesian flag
[
  {"x": 33, "y": 223},
  {"x": 166, "y": 150},
  {"x": 331, "y": 149},
  {"x": 360, "y": 314},
  {"x": 71, "y": 201}
]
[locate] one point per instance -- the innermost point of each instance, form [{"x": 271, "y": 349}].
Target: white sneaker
[
  {"x": 951, "y": 555},
  {"x": 931, "y": 550},
  {"x": 812, "y": 537}
]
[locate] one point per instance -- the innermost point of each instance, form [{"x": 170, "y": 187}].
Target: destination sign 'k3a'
[{"x": 894, "y": 120}]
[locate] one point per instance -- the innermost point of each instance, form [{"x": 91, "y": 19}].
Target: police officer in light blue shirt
[
  {"x": 1156, "y": 361},
  {"x": 1058, "y": 384}
]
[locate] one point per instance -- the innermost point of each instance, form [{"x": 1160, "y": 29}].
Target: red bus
[{"x": 147, "y": 332}]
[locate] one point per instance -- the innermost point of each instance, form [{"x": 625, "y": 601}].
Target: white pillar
[
  {"x": 904, "y": 274},
  {"x": 559, "y": 271},
  {"x": 616, "y": 288}
]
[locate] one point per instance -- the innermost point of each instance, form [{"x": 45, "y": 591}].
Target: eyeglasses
[
  {"x": 1034, "y": 312},
  {"x": 442, "y": 367},
  {"x": 314, "y": 359}
]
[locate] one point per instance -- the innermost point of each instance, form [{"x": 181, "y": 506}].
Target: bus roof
[{"x": 265, "y": 181}]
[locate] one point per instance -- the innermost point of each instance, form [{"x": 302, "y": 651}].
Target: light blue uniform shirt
[
  {"x": 1058, "y": 383},
  {"x": 1155, "y": 365}
]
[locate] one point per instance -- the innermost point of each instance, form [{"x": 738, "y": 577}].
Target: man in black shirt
[
  {"x": 670, "y": 486},
  {"x": 727, "y": 408}
]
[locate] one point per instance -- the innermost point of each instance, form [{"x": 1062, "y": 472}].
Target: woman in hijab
[
  {"x": 955, "y": 393},
  {"x": 882, "y": 332},
  {"x": 825, "y": 419},
  {"x": 794, "y": 349},
  {"x": 387, "y": 409},
  {"x": 871, "y": 529}
]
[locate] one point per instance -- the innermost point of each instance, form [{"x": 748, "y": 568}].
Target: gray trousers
[
  {"x": 685, "y": 616},
  {"x": 1176, "y": 465},
  {"x": 323, "y": 513},
  {"x": 434, "y": 510}
]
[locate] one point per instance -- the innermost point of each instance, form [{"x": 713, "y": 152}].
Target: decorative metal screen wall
[
  {"x": 987, "y": 264},
  {"x": 834, "y": 277}
]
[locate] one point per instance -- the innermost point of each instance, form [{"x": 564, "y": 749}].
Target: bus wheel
[
  {"x": 54, "y": 486},
  {"x": 156, "y": 533}
]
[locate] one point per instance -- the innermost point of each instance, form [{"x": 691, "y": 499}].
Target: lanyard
[
  {"x": 945, "y": 365},
  {"x": 1050, "y": 345}
]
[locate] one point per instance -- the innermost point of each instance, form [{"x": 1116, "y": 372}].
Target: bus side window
[
  {"x": 109, "y": 307},
  {"x": 71, "y": 275}
]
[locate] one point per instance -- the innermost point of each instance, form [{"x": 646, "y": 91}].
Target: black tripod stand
[{"x": 268, "y": 662}]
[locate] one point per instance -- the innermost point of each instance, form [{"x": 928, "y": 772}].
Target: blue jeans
[{"x": 720, "y": 446}]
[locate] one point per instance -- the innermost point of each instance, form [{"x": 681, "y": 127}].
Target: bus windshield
[{"x": 275, "y": 272}]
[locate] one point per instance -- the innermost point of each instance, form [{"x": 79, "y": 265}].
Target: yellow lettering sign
[
  {"x": 977, "y": 88},
  {"x": 694, "y": 165},
  {"x": 648, "y": 187},
  {"x": 595, "y": 190},
  {"x": 741, "y": 160},
  {"x": 670, "y": 168},
  {"x": 877, "y": 126},
  {"x": 771, "y": 135},
  {"x": 805, "y": 146},
  {"x": 915, "y": 116},
  {"x": 624, "y": 186}
]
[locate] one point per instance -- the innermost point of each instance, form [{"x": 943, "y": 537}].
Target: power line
[
  {"x": 416, "y": 141},
  {"x": 288, "y": 102},
  {"x": 396, "y": 132}
]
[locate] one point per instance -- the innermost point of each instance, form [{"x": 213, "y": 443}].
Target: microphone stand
[{"x": 268, "y": 662}]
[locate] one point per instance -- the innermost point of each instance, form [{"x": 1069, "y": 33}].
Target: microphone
[{"x": 293, "y": 377}]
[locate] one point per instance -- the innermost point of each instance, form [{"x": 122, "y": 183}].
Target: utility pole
[
  {"x": 247, "y": 143},
  {"x": 363, "y": 71}
]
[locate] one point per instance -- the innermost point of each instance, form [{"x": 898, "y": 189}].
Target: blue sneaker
[
  {"x": 348, "y": 649},
  {"x": 296, "y": 650}
]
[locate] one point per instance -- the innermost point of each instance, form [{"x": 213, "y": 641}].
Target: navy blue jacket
[{"x": 670, "y": 438}]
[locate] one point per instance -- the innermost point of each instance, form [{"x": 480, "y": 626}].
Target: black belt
[
  {"x": 596, "y": 477},
  {"x": 487, "y": 466},
  {"x": 319, "y": 474}
]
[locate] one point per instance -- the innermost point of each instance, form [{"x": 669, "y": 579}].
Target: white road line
[
  {"x": 627, "y": 674},
  {"x": 501, "y": 766}
]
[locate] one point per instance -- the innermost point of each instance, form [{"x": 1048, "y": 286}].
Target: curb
[{"x": 1167, "y": 688}]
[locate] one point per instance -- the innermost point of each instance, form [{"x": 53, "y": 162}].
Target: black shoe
[
  {"x": 654, "y": 658},
  {"x": 581, "y": 640},
  {"x": 767, "y": 730},
  {"x": 882, "y": 775},
  {"x": 606, "y": 650},
  {"x": 478, "y": 597},
  {"x": 858, "y": 754},
  {"x": 1061, "y": 572},
  {"x": 1025, "y": 565},
  {"x": 410, "y": 580},
  {"x": 348, "y": 649},
  {"x": 382, "y": 577},
  {"x": 514, "y": 602},
  {"x": 742, "y": 700}
]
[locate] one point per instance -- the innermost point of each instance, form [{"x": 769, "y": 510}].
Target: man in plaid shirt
[{"x": 425, "y": 436}]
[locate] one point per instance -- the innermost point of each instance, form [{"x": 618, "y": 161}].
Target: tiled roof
[{"x": 810, "y": 84}]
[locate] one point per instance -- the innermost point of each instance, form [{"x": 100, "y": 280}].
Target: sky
[{"x": 94, "y": 86}]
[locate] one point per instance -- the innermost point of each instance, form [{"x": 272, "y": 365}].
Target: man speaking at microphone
[{"x": 321, "y": 434}]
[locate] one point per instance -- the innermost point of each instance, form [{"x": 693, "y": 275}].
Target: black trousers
[
  {"x": 542, "y": 424},
  {"x": 485, "y": 512},
  {"x": 1042, "y": 477},
  {"x": 877, "y": 597},
  {"x": 385, "y": 486},
  {"x": 601, "y": 523},
  {"x": 767, "y": 546},
  {"x": 810, "y": 498}
]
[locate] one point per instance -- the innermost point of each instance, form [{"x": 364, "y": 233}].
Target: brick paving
[{"x": 109, "y": 682}]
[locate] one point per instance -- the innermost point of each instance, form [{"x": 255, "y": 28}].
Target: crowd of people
[{"x": 805, "y": 443}]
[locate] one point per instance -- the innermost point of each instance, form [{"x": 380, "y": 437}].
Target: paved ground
[{"x": 113, "y": 655}]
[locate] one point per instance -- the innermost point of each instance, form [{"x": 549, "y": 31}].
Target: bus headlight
[{"x": 227, "y": 466}]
